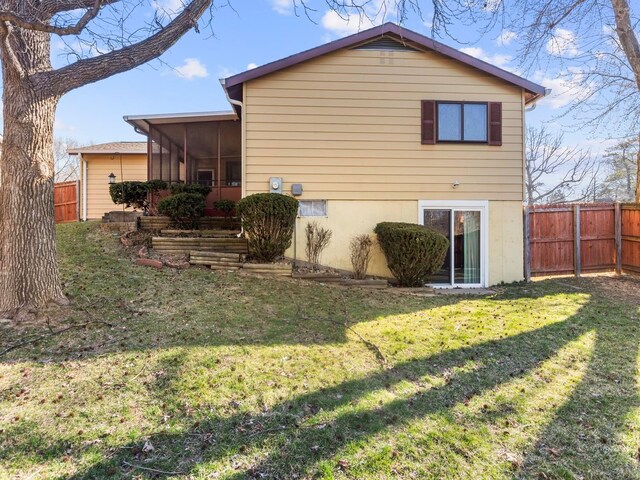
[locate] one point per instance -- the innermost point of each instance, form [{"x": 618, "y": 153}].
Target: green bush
[
  {"x": 203, "y": 190},
  {"x": 135, "y": 194},
  {"x": 129, "y": 194},
  {"x": 226, "y": 207},
  {"x": 185, "y": 209},
  {"x": 154, "y": 186},
  {"x": 268, "y": 220},
  {"x": 413, "y": 252}
]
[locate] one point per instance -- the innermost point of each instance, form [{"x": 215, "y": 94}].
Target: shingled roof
[{"x": 111, "y": 148}]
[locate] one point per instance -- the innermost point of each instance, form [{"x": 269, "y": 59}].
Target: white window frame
[
  {"x": 466, "y": 205},
  {"x": 326, "y": 208}
]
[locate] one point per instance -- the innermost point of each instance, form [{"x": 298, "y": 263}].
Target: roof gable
[{"x": 378, "y": 37}]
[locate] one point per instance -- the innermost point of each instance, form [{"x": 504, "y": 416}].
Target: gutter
[
  {"x": 240, "y": 105},
  {"x": 83, "y": 162}
]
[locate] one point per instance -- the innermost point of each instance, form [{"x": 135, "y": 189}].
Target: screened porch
[{"x": 195, "y": 148}]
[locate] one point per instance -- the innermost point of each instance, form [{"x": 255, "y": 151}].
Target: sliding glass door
[{"x": 463, "y": 224}]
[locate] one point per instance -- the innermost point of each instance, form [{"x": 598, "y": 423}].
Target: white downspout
[{"x": 84, "y": 188}]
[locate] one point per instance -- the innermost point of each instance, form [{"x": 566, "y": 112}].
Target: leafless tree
[
  {"x": 102, "y": 38},
  {"x": 66, "y": 167},
  {"x": 620, "y": 163},
  {"x": 554, "y": 172}
]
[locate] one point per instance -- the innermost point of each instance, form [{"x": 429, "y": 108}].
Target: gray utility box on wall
[{"x": 275, "y": 184}]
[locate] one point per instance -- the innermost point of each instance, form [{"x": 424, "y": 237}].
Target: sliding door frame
[{"x": 481, "y": 206}]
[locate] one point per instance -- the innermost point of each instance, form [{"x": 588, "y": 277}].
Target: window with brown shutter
[
  {"x": 495, "y": 124},
  {"x": 461, "y": 122},
  {"x": 428, "y": 122}
]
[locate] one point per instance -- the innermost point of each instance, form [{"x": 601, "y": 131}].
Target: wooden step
[
  {"x": 160, "y": 223},
  {"x": 267, "y": 266},
  {"x": 188, "y": 244},
  {"x": 216, "y": 255},
  {"x": 201, "y": 233}
]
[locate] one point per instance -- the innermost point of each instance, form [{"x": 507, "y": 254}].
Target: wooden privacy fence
[
  {"x": 572, "y": 239},
  {"x": 65, "y": 201}
]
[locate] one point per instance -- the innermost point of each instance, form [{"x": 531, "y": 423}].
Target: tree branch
[
  {"x": 627, "y": 36},
  {"x": 12, "y": 59},
  {"x": 90, "y": 70},
  {"x": 52, "y": 7},
  {"x": 37, "y": 25}
]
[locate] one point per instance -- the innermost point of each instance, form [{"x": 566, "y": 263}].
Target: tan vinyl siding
[
  {"x": 347, "y": 126},
  {"x": 134, "y": 167}
]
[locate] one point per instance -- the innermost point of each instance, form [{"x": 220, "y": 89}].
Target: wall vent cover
[{"x": 385, "y": 43}]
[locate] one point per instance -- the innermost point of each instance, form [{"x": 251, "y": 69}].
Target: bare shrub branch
[
  {"x": 318, "y": 239},
  {"x": 360, "y": 252}
]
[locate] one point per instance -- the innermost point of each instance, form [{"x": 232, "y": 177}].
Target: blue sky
[{"x": 254, "y": 33}]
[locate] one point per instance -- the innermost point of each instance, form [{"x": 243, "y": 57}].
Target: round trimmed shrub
[
  {"x": 185, "y": 209},
  {"x": 413, "y": 252},
  {"x": 268, "y": 220}
]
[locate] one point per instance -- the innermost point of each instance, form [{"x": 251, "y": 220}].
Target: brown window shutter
[
  {"x": 428, "y": 122},
  {"x": 495, "y": 123}
]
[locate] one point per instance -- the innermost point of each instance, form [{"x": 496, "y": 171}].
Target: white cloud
[
  {"x": 499, "y": 60},
  {"x": 171, "y": 8},
  {"x": 506, "y": 37},
  {"x": 283, "y": 7},
  {"x": 566, "y": 87},
  {"x": 192, "y": 68},
  {"x": 225, "y": 72},
  {"x": 63, "y": 127},
  {"x": 563, "y": 43},
  {"x": 342, "y": 25},
  {"x": 252, "y": 65}
]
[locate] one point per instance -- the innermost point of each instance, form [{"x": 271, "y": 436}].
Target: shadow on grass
[
  {"x": 296, "y": 443},
  {"x": 190, "y": 308},
  {"x": 584, "y": 439}
]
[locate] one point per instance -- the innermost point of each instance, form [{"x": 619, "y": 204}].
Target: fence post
[
  {"x": 576, "y": 240},
  {"x": 618, "y": 226},
  {"x": 527, "y": 245}
]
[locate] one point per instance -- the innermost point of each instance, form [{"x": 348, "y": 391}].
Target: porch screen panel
[
  {"x": 230, "y": 151},
  {"x": 156, "y": 155},
  {"x": 202, "y": 152}
]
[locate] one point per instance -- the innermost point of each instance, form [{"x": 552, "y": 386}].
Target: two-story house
[{"x": 383, "y": 125}]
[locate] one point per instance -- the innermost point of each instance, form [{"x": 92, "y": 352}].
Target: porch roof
[
  {"x": 142, "y": 122},
  {"x": 111, "y": 148}
]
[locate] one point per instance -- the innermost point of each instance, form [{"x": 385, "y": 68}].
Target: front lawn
[{"x": 196, "y": 374}]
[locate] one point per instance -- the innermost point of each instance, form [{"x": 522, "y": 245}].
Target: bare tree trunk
[{"x": 28, "y": 267}]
